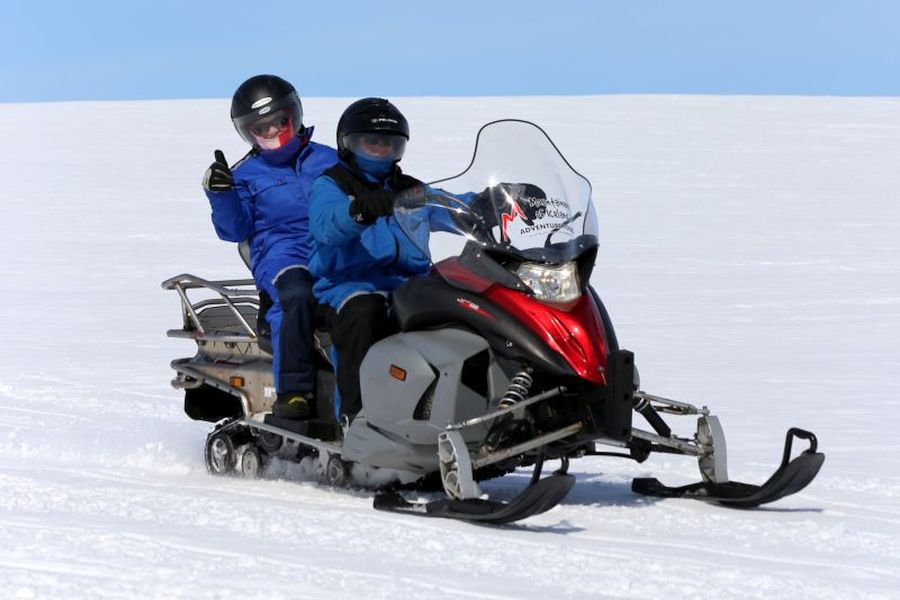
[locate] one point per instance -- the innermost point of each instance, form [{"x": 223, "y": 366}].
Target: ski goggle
[{"x": 263, "y": 126}]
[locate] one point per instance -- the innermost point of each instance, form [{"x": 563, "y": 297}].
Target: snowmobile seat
[
  {"x": 263, "y": 330},
  {"x": 420, "y": 303},
  {"x": 244, "y": 251}
]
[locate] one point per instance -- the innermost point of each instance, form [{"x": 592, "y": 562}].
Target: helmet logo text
[{"x": 261, "y": 102}]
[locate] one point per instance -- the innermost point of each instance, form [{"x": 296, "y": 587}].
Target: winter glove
[
  {"x": 410, "y": 191},
  {"x": 367, "y": 205},
  {"x": 218, "y": 176},
  {"x": 400, "y": 181},
  {"x": 482, "y": 213},
  {"x": 411, "y": 198}
]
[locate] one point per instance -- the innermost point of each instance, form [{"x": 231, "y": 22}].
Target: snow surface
[{"x": 750, "y": 258}]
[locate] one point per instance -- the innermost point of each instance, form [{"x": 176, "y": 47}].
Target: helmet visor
[
  {"x": 271, "y": 125},
  {"x": 285, "y": 112},
  {"x": 376, "y": 146}
]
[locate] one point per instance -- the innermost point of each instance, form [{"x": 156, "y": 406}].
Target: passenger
[
  {"x": 264, "y": 199},
  {"x": 359, "y": 254}
]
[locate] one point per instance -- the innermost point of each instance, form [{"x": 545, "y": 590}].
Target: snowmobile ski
[
  {"x": 540, "y": 495},
  {"x": 535, "y": 499},
  {"x": 791, "y": 477}
]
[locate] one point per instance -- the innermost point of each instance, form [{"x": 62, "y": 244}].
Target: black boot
[{"x": 292, "y": 405}]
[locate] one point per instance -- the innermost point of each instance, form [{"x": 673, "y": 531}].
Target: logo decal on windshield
[
  {"x": 507, "y": 218},
  {"x": 539, "y": 214}
]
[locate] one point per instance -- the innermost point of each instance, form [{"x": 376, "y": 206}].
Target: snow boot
[{"x": 292, "y": 405}]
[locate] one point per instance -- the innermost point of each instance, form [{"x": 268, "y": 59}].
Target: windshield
[{"x": 519, "y": 197}]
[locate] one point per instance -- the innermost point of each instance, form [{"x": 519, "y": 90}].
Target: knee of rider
[
  {"x": 369, "y": 308},
  {"x": 296, "y": 292}
]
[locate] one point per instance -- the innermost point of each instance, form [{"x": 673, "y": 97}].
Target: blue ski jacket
[
  {"x": 269, "y": 204},
  {"x": 349, "y": 258}
]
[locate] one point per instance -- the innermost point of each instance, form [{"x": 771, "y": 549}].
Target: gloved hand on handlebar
[
  {"x": 401, "y": 181},
  {"x": 484, "y": 206},
  {"x": 411, "y": 198},
  {"x": 410, "y": 191}
]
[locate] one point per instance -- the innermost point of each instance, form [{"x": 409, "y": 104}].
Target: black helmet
[
  {"x": 372, "y": 116},
  {"x": 265, "y": 100}
]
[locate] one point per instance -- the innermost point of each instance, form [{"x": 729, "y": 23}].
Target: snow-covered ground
[{"x": 750, "y": 257}]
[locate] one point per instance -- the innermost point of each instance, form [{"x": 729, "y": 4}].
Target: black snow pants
[
  {"x": 361, "y": 322},
  {"x": 291, "y": 320}
]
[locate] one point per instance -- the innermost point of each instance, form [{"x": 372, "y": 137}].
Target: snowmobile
[{"x": 504, "y": 358}]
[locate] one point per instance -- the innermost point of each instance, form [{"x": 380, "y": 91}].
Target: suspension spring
[{"x": 518, "y": 389}]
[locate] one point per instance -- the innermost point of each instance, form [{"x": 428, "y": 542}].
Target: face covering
[
  {"x": 375, "y": 167},
  {"x": 284, "y": 154}
]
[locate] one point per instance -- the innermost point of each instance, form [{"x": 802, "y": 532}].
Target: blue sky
[{"x": 128, "y": 49}]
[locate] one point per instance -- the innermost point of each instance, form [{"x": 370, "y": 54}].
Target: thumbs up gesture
[{"x": 218, "y": 176}]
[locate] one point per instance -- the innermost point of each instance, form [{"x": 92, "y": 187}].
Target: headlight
[{"x": 549, "y": 283}]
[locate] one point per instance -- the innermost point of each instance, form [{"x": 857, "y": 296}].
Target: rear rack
[{"x": 222, "y": 317}]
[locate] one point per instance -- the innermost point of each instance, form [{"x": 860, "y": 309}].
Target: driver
[{"x": 358, "y": 251}]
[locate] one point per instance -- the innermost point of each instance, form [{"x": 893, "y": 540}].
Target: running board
[
  {"x": 791, "y": 477},
  {"x": 290, "y": 429}
]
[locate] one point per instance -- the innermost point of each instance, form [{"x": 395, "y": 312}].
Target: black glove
[
  {"x": 218, "y": 176},
  {"x": 401, "y": 181},
  {"x": 410, "y": 191},
  {"x": 484, "y": 209},
  {"x": 367, "y": 205},
  {"x": 412, "y": 197}
]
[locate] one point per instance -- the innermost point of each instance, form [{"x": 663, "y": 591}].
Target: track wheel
[
  {"x": 337, "y": 472},
  {"x": 270, "y": 442},
  {"x": 221, "y": 458},
  {"x": 250, "y": 463}
]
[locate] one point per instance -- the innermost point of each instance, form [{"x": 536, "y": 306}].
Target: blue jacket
[
  {"x": 349, "y": 258},
  {"x": 269, "y": 204}
]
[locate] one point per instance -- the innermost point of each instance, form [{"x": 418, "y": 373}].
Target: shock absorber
[
  {"x": 518, "y": 389},
  {"x": 516, "y": 392}
]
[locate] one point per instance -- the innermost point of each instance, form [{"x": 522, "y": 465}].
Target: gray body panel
[{"x": 401, "y": 420}]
